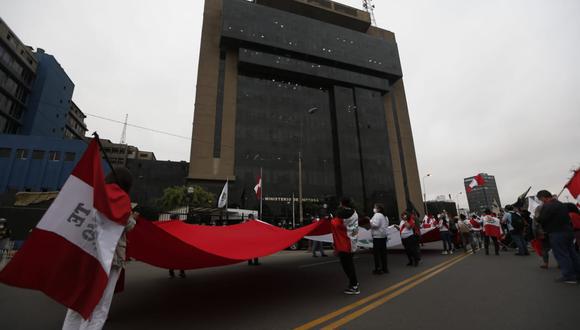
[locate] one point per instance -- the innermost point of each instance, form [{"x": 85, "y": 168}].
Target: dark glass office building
[
  {"x": 483, "y": 197},
  {"x": 279, "y": 79}
]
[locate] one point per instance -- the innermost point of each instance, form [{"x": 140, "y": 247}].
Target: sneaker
[
  {"x": 352, "y": 290},
  {"x": 562, "y": 280},
  {"x": 377, "y": 272},
  {"x": 450, "y": 252},
  {"x": 444, "y": 252}
]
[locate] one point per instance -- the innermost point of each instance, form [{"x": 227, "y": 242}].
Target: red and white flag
[
  {"x": 492, "y": 226},
  {"x": 477, "y": 181},
  {"x": 258, "y": 188},
  {"x": 68, "y": 255},
  {"x": 574, "y": 184}
]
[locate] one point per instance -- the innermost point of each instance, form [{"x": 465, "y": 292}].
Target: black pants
[
  {"x": 380, "y": 254},
  {"x": 411, "y": 245},
  {"x": 348, "y": 266},
  {"x": 486, "y": 244}
]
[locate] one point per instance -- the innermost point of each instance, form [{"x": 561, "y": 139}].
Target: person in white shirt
[
  {"x": 443, "y": 226},
  {"x": 379, "y": 223}
]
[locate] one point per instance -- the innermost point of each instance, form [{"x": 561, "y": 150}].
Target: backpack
[{"x": 517, "y": 222}]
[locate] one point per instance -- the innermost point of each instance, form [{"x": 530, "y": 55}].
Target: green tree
[{"x": 177, "y": 196}]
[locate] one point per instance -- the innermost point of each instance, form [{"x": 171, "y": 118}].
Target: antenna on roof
[
  {"x": 370, "y": 8},
  {"x": 124, "y": 134}
]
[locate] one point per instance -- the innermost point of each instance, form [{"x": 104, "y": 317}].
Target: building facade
[
  {"x": 483, "y": 197},
  {"x": 36, "y": 163},
  {"x": 18, "y": 68},
  {"x": 119, "y": 153},
  {"x": 50, "y": 110},
  {"x": 290, "y": 80}
]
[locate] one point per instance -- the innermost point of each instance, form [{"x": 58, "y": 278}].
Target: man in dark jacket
[{"x": 556, "y": 223}]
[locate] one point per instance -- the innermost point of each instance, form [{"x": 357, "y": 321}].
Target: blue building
[
  {"x": 41, "y": 129},
  {"x": 37, "y": 163},
  {"x": 50, "y": 102}
]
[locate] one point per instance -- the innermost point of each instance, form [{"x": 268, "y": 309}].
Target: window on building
[
  {"x": 37, "y": 154},
  {"x": 54, "y": 155},
  {"x": 69, "y": 156},
  {"x": 21, "y": 154},
  {"x": 5, "y": 152}
]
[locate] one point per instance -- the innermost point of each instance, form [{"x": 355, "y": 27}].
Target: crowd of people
[{"x": 553, "y": 226}]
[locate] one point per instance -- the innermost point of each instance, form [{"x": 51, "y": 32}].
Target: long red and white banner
[{"x": 68, "y": 255}]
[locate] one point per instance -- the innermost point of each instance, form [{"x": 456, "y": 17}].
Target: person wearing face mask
[
  {"x": 379, "y": 223},
  {"x": 410, "y": 238}
]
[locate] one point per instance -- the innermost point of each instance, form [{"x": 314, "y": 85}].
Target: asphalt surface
[{"x": 292, "y": 289}]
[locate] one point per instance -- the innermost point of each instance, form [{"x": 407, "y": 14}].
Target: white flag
[{"x": 223, "y": 200}]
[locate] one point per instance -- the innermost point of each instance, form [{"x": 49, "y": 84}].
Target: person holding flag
[
  {"x": 121, "y": 177},
  {"x": 410, "y": 237},
  {"x": 75, "y": 253},
  {"x": 491, "y": 230}
]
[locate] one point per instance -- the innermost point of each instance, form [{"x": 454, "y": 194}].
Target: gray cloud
[{"x": 491, "y": 86}]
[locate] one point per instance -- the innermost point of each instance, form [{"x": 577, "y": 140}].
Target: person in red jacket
[{"x": 344, "y": 233}]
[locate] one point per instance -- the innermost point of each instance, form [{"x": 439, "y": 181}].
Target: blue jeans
[
  {"x": 520, "y": 242},
  {"x": 446, "y": 238},
  {"x": 563, "y": 248}
]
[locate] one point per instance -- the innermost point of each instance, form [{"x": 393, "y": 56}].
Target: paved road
[{"x": 292, "y": 289}]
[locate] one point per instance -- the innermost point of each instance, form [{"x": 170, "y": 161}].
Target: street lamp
[
  {"x": 310, "y": 112},
  {"x": 457, "y": 201},
  {"x": 425, "y": 193},
  {"x": 190, "y": 191}
]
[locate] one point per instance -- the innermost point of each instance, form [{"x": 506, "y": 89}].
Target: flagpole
[
  {"x": 227, "y": 198},
  {"x": 293, "y": 213},
  {"x": 563, "y": 191},
  {"x": 96, "y": 135},
  {"x": 261, "y": 192}
]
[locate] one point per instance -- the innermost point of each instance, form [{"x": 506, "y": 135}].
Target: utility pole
[
  {"x": 124, "y": 140},
  {"x": 124, "y": 133},
  {"x": 370, "y": 8}
]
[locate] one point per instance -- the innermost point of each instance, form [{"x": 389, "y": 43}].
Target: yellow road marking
[
  {"x": 383, "y": 300},
  {"x": 363, "y": 301}
]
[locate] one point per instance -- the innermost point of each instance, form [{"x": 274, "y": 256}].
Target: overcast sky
[{"x": 492, "y": 86}]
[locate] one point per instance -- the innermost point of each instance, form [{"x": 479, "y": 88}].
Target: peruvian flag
[
  {"x": 492, "y": 227},
  {"x": 68, "y": 255},
  {"x": 477, "y": 181},
  {"x": 573, "y": 185},
  {"x": 258, "y": 188}
]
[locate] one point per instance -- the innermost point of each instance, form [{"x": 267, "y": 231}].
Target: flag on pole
[
  {"x": 522, "y": 198},
  {"x": 68, "y": 255},
  {"x": 223, "y": 200},
  {"x": 477, "y": 181},
  {"x": 573, "y": 185},
  {"x": 258, "y": 188}
]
